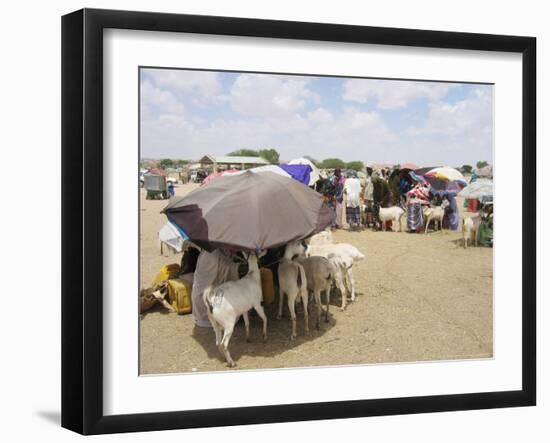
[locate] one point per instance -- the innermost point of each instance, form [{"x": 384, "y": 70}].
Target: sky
[{"x": 185, "y": 114}]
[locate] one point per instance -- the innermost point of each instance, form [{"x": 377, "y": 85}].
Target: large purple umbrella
[{"x": 249, "y": 212}]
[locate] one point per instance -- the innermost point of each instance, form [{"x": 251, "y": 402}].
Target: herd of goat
[{"x": 306, "y": 267}]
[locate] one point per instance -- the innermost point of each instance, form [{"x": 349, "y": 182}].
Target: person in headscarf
[
  {"x": 338, "y": 183},
  {"x": 417, "y": 198},
  {"x": 452, "y": 211},
  {"x": 393, "y": 182}
]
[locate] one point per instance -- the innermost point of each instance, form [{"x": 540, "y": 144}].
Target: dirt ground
[{"x": 419, "y": 297}]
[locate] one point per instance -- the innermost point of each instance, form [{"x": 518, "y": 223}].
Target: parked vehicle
[{"x": 155, "y": 186}]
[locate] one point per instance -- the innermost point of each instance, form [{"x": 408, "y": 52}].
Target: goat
[
  {"x": 343, "y": 276},
  {"x": 435, "y": 214},
  {"x": 319, "y": 275},
  {"x": 343, "y": 257},
  {"x": 394, "y": 213},
  {"x": 470, "y": 226},
  {"x": 336, "y": 248},
  {"x": 321, "y": 238},
  {"x": 293, "y": 283},
  {"x": 228, "y": 301}
]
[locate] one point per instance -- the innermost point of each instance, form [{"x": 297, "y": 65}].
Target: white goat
[
  {"x": 228, "y": 301},
  {"x": 343, "y": 276},
  {"x": 336, "y": 248},
  {"x": 394, "y": 213},
  {"x": 321, "y": 238},
  {"x": 435, "y": 214},
  {"x": 293, "y": 283},
  {"x": 470, "y": 226},
  {"x": 342, "y": 256},
  {"x": 319, "y": 275}
]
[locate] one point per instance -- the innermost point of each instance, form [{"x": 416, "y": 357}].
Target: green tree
[
  {"x": 166, "y": 163},
  {"x": 356, "y": 165},
  {"x": 466, "y": 169},
  {"x": 330, "y": 163},
  {"x": 312, "y": 160},
  {"x": 271, "y": 155},
  {"x": 481, "y": 164},
  {"x": 245, "y": 153}
]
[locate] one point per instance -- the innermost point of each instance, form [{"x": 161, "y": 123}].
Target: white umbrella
[
  {"x": 170, "y": 235},
  {"x": 482, "y": 187},
  {"x": 313, "y": 175},
  {"x": 268, "y": 168},
  {"x": 446, "y": 173},
  {"x": 485, "y": 172}
]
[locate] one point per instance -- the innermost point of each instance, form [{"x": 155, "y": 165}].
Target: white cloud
[
  {"x": 277, "y": 111},
  {"x": 320, "y": 115},
  {"x": 161, "y": 100},
  {"x": 203, "y": 84},
  {"x": 392, "y": 94},
  {"x": 462, "y": 131},
  {"x": 268, "y": 96},
  {"x": 471, "y": 116}
]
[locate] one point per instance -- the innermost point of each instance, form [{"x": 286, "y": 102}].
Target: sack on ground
[
  {"x": 179, "y": 295},
  {"x": 268, "y": 289}
]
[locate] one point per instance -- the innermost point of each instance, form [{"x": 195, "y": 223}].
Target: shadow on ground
[{"x": 278, "y": 332}]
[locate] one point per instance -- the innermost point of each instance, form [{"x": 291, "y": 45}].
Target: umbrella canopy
[
  {"x": 157, "y": 171},
  {"x": 446, "y": 173},
  {"x": 442, "y": 187},
  {"x": 218, "y": 174},
  {"x": 300, "y": 173},
  {"x": 313, "y": 175},
  {"x": 485, "y": 172},
  {"x": 172, "y": 236},
  {"x": 410, "y": 166},
  {"x": 249, "y": 212},
  {"x": 267, "y": 168},
  {"x": 481, "y": 188}
]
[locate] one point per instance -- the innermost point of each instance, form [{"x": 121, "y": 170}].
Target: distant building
[{"x": 223, "y": 162}]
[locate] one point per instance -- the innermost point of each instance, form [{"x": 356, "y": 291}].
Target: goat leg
[
  {"x": 317, "y": 295},
  {"x": 327, "y": 293},
  {"x": 260, "y": 310},
  {"x": 291, "y": 308},
  {"x": 281, "y": 297},
  {"x": 305, "y": 301},
  {"x": 223, "y": 346},
  {"x": 246, "y": 326},
  {"x": 351, "y": 283}
]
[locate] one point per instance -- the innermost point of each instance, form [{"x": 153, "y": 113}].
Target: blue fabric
[
  {"x": 452, "y": 209},
  {"x": 181, "y": 231},
  {"x": 298, "y": 172},
  {"x": 415, "y": 217}
]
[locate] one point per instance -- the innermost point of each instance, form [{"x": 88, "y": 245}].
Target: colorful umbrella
[
  {"x": 249, "y": 212},
  {"x": 446, "y": 173}
]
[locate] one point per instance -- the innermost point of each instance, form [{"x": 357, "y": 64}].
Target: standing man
[
  {"x": 352, "y": 189},
  {"x": 338, "y": 183}
]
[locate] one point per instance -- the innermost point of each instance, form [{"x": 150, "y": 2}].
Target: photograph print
[{"x": 296, "y": 221}]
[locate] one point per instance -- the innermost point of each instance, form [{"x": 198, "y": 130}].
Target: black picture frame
[{"x": 82, "y": 218}]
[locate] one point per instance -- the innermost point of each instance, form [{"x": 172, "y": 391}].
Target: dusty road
[{"x": 420, "y": 297}]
